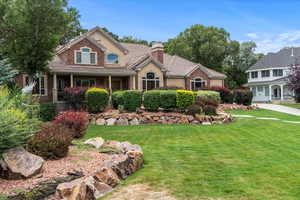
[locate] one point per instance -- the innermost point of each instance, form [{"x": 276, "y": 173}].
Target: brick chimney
[{"x": 157, "y": 51}]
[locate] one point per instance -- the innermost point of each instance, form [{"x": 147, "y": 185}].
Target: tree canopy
[
  {"x": 31, "y": 30},
  {"x": 201, "y": 44}
]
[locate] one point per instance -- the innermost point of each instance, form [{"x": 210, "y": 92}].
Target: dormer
[{"x": 85, "y": 56}]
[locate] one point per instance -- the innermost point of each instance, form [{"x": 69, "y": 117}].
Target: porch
[
  {"x": 111, "y": 83},
  {"x": 271, "y": 93}
]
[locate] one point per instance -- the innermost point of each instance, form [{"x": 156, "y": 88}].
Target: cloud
[
  {"x": 252, "y": 35},
  {"x": 273, "y": 42}
]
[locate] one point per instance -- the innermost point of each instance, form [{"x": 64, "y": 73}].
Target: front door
[
  {"x": 277, "y": 93},
  {"x": 116, "y": 84},
  {"x": 62, "y": 83}
]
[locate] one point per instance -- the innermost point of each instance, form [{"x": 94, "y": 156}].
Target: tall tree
[
  {"x": 6, "y": 72},
  {"x": 201, "y": 44},
  {"x": 130, "y": 39},
  {"x": 30, "y": 31},
  {"x": 240, "y": 58}
]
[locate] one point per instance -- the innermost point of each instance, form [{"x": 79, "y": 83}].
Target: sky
[{"x": 272, "y": 24}]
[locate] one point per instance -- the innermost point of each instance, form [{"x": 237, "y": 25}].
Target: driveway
[{"x": 280, "y": 108}]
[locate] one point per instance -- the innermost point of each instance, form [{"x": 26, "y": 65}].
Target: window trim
[
  {"x": 277, "y": 72},
  {"x": 262, "y": 74},
  {"x": 91, "y": 51},
  {"x": 109, "y": 63},
  {"x": 256, "y": 72},
  {"x": 45, "y": 84},
  {"x": 155, "y": 79},
  {"x": 194, "y": 80}
]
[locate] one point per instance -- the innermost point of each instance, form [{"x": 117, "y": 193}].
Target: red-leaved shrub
[
  {"x": 51, "y": 142},
  {"x": 225, "y": 93},
  {"x": 76, "y": 121}
]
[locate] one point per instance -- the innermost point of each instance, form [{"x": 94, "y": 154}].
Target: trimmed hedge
[
  {"x": 47, "y": 112},
  {"x": 243, "y": 97},
  {"x": 152, "y": 100},
  {"x": 184, "y": 98},
  {"x": 168, "y": 99},
  {"x": 117, "y": 99},
  {"x": 225, "y": 93},
  {"x": 209, "y": 94},
  {"x": 132, "y": 100},
  {"x": 97, "y": 99}
]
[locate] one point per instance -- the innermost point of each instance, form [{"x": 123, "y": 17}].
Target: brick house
[{"x": 96, "y": 59}]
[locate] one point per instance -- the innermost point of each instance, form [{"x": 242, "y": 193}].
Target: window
[
  {"x": 40, "y": 85},
  {"x": 85, "y": 82},
  {"x": 85, "y": 56},
  {"x": 277, "y": 72},
  {"x": 265, "y": 73},
  {"x": 150, "y": 81},
  {"x": 112, "y": 58},
  {"x": 254, "y": 74},
  {"x": 197, "y": 83}
]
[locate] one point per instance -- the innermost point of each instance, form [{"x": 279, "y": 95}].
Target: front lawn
[
  {"x": 292, "y": 105},
  {"x": 249, "y": 159}
]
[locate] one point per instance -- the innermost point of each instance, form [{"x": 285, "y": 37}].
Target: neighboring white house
[{"x": 268, "y": 77}]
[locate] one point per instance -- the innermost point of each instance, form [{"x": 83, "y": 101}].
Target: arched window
[
  {"x": 112, "y": 58},
  {"x": 85, "y": 56},
  {"x": 197, "y": 83},
  {"x": 150, "y": 81}
]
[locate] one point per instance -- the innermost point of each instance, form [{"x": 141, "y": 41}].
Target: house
[
  {"x": 96, "y": 59},
  {"x": 268, "y": 77}
]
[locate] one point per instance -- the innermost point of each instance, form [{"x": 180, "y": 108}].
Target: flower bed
[
  {"x": 114, "y": 117},
  {"x": 223, "y": 107}
]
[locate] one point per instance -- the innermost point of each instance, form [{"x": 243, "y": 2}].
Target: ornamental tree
[{"x": 294, "y": 81}]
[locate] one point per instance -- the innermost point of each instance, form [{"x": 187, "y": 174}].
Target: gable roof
[
  {"x": 282, "y": 58},
  {"x": 87, "y": 36},
  {"x": 175, "y": 66}
]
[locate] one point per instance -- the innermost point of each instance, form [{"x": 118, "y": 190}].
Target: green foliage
[
  {"x": 194, "y": 109},
  {"x": 152, "y": 100},
  {"x": 201, "y": 44},
  {"x": 6, "y": 73},
  {"x": 30, "y": 32},
  {"x": 209, "y": 95},
  {"x": 16, "y": 120},
  {"x": 168, "y": 99},
  {"x": 184, "y": 98},
  {"x": 47, "y": 111},
  {"x": 51, "y": 142},
  {"x": 118, "y": 99},
  {"x": 130, "y": 39},
  {"x": 132, "y": 100},
  {"x": 243, "y": 97},
  {"x": 207, "y": 101},
  {"x": 97, "y": 99}
]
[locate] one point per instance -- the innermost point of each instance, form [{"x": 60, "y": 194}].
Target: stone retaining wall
[
  {"x": 223, "y": 107},
  {"x": 114, "y": 117}
]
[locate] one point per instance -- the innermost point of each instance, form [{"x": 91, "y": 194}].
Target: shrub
[
  {"x": 97, "y": 99},
  {"x": 243, "y": 97},
  {"x": 184, "y": 98},
  {"x": 132, "y": 100},
  {"x": 76, "y": 121},
  {"x": 51, "y": 142},
  {"x": 118, "y": 99},
  {"x": 225, "y": 94},
  {"x": 210, "y": 110},
  {"x": 194, "y": 109},
  {"x": 169, "y": 88},
  {"x": 168, "y": 100},
  {"x": 152, "y": 100},
  {"x": 205, "y": 101},
  {"x": 47, "y": 111},
  {"x": 208, "y": 94},
  {"x": 75, "y": 97},
  {"x": 15, "y": 122}
]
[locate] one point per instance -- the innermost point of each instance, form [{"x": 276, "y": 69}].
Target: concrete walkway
[{"x": 280, "y": 108}]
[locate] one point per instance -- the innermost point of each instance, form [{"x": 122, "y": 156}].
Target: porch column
[
  {"x": 109, "y": 84},
  {"x": 133, "y": 82},
  {"x": 54, "y": 90},
  {"x": 71, "y": 80},
  {"x": 270, "y": 92},
  {"x": 281, "y": 92}
]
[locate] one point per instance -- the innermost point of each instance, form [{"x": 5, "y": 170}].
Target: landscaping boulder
[
  {"x": 18, "y": 163},
  {"x": 111, "y": 121},
  {"x": 87, "y": 188},
  {"x": 100, "y": 122},
  {"x": 108, "y": 176},
  {"x": 122, "y": 122},
  {"x": 126, "y": 146},
  {"x": 134, "y": 121},
  {"x": 114, "y": 145},
  {"x": 95, "y": 142}
]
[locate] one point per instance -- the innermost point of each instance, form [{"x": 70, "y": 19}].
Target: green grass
[
  {"x": 249, "y": 159},
  {"x": 292, "y": 105}
]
